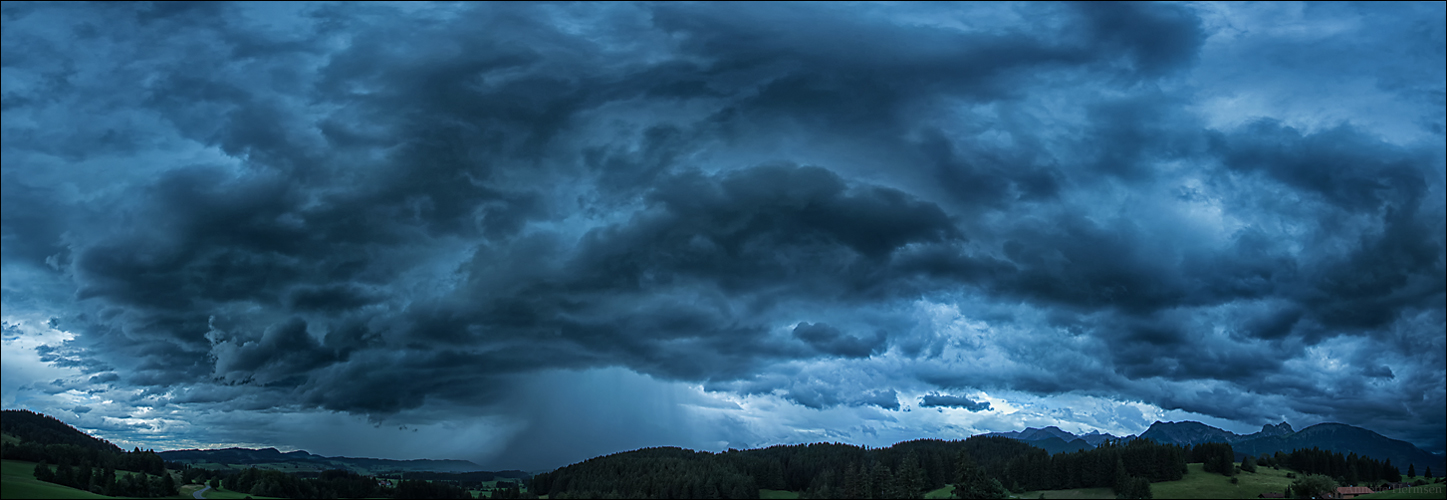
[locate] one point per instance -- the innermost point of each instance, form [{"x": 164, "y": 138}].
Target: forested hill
[
  {"x": 44, "y": 429},
  {"x": 1340, "y": 438},
  {"x": 83, "y": 462},
  {"x": 832, "y": 470}
]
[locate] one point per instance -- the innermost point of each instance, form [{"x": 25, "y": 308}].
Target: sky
[{"x": 526, "y": 235}]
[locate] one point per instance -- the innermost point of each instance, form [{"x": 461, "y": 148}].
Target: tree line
[
  {"x": 834, "y": 470},
  {"x": 330, "y": 484},
  {"x": 1349, "y": 469},
  {"x": 105, "y": 481}
]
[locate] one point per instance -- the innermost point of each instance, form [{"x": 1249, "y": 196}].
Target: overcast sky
[{"x": 525, "y": 235}]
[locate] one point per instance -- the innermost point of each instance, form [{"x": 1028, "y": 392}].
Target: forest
[
  {"x": 74, "y": 459},
  {"x": 980, "y": 464}
]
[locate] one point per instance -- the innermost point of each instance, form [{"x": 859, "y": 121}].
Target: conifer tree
[
  {"x": 1411, "y": 470},
  {"x": 63, "y": 474},
  {"x": 853, "y": 482},
  {"x": 43, "y": 472},
  {"x": 1121, "y": 479},
  {"x": 878, "y": 481},
  {"x": 972, "y": 482},
  {"x": 1136, "y": 487},
  {"x": 911, "y": 477}
]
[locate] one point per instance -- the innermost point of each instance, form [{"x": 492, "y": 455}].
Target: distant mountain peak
[
  {"x": 1034, "y": 434},
  {"x": 1187, "y": 432},
  {"x": 1280, "y": 429}
]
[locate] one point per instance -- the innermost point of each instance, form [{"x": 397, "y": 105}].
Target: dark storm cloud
[
  {"x": 888, "y": 399},
  {"x": 283, "y": 349},
  {"x": 830, "y": 340},
  {"x": 949, "y": 401},
  {"x": 372, "y": 209}
]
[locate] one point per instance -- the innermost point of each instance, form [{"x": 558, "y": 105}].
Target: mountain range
[{"x": 1342, "y": 438}]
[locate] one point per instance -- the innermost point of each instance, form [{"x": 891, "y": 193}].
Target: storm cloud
[
  {"x": 797, "y": 213},
  {"x": 949, "y": 401}
]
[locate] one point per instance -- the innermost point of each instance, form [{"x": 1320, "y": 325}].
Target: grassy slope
[
  {"x": 17, "y": 480},
  {"x": 1202, "y": 484},
  {"x": 215, "y": 493},
  {"x": 1076, "y": 493},
  {"x": 948, "y": 491},
  {"x": 1196, "y": 484},
  {"x": 945, "y": 492}
]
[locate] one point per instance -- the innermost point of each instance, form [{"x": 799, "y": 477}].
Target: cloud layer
[{"x": 424, "y": 213}]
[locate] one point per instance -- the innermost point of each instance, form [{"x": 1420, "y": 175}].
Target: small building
[
  {"x": 1352, "y": 491},
  {"x": 1393, "y": 486}
]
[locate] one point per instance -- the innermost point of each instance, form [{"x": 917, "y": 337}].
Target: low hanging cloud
[{"x": 950, "y": 401}]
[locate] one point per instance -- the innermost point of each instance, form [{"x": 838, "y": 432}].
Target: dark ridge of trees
[
  {"x": 410, "y": 488},
  {"x": 46, "y": 430},
  {"x": 1112, "y": 464},
  {"x": 1348, "y": 469},
  {"x": 330, "y": 484},
  {"x": 1213, "y": 457},
  {"x": 136, "y": 460},
  {"x": 82, "y": 461},
  {"x": 650, "y": 473},
  {"x": 105, "y": 481},
  {"x": 833, "y": 470}
]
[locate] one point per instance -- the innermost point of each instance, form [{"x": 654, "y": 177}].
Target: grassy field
[
  {"x": 1202, "y": 484},
  {"x": 946, "y": 492},
  {"x": 1196, "y": 484},
  {"x": 1076, "y": 493},
  {"x": 17, "y": 480},
  {"x": 215, "y": 493}
]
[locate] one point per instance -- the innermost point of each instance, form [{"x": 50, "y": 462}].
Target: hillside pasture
[
  {"x": 17, "y": 480},
  {"x": 1197, "y": 484}
]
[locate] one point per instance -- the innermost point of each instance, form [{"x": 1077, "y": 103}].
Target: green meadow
[
  {"x": 17, "y": 480},
  {"x": 1075, "y": 493},
  {"x": 1196, "y": 484},
  {"x": 946, "y": 492}
]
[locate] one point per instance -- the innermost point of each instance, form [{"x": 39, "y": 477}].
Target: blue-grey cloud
[
  {"x": 389, "y": 211},
  {"x": 950, "y": 401}
]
